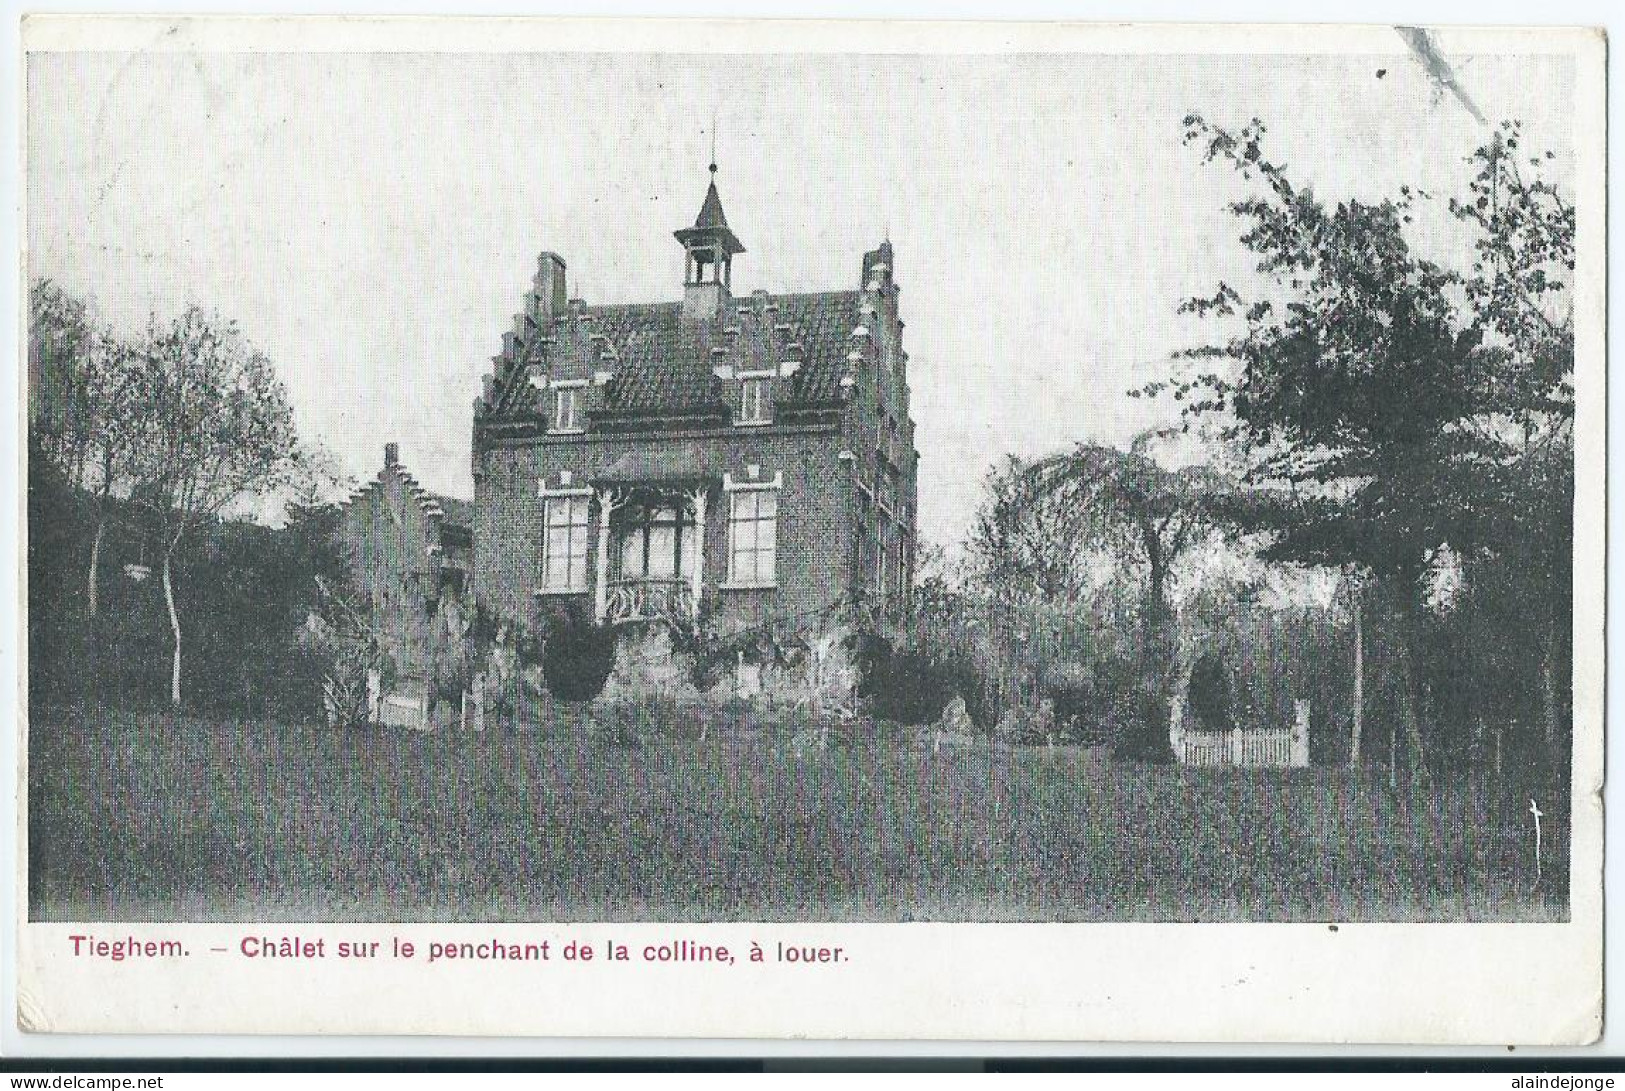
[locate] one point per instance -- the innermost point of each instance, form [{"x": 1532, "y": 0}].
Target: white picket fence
[{"x": 1277, "y": 748}]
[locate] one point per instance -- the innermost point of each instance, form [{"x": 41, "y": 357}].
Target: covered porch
[{"x": 652, "y": 540}]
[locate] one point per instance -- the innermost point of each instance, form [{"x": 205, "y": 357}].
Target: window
[
  {"x": 881, "y": 550},
  {"x": 886, "y": 488},
  {"x": 900, "y": 567},
  {"x": 753, "y": 537},
  {"x": 652, "y": 547},
  {"x": 753, "y": 402},
  {"x": 566, "y": 409},
  {"x": 564, "y": 546}
]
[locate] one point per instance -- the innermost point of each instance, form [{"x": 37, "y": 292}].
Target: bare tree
[{"x": 221, "y": 432}]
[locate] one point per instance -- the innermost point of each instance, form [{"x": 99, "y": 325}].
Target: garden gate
[{"x": 1274, "y": 748}]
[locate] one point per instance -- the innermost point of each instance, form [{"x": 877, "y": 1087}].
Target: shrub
[
  {"x": 501, "y": 654},
  {"x": 342, "y": 650},
  {"x": 909, "y": 688},
  {"x": 1074, "y": 700},
  {"x": 1142, "y": 733},
  {"x": 1210, "y": 703},
  {"x": 577, "y": 659},
  {"x": 710, "y": 660},
  {"x": 873, "y": 654}
]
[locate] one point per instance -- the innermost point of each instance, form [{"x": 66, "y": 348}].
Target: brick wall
[
  {"x": 815, "y": 522},
  {"x": 880, "y": 432}
]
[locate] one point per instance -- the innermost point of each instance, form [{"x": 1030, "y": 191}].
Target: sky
[{"x": 372, "y": 220}]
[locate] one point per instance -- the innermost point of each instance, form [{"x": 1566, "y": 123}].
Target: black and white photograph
[{"x": 816, "y": 486}]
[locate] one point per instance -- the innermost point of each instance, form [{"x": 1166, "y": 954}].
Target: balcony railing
[{"x": 642, "y": 599}]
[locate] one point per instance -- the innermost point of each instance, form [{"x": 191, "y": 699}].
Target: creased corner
[{"x": 32, "y": 1018}]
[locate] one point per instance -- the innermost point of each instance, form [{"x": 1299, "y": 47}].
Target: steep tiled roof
[
  {"x": 664, "y": 364},
  {"x": 823, "y": 322}
]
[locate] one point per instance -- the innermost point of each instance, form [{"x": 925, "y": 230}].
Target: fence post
[
  {"x": 1300, "y": 735},
  {"x": 1176, "y": 728},
  {"x": 1235, "y": 746},
  {"x": 474, "y": 700}
]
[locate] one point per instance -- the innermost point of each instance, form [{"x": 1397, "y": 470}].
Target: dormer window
[
  {"x": 567, "y": 408},
  {"x": 753, "y": 401}
]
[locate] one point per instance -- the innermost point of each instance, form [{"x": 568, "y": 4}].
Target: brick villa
[{"x": 748, "y": 460}]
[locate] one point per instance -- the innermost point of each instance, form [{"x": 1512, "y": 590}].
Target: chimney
[
  {"x": 877, "y": 266},
  {"x": 392, "y": 455},
  {"x": 552, "y": 297}
]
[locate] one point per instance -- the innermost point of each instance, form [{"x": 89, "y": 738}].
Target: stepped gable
[
  {"x": 458, "y": 512},
  {"x": 450, "y": 513}
]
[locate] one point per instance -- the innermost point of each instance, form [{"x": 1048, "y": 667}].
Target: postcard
[{"x": 817, "y": 530}]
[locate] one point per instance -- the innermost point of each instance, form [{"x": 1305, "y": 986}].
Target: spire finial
[{"x": 713, "y": 143}]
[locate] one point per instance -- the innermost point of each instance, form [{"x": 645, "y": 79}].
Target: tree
[
  {"x": 221, "y": 431},
  {"x": 1026, "y": 573},
  {"x": 1021, "y": 544},
  {"x": 60, "y": 333},
  {"x": 1394, "y": 423},
  {"x": 1350, "y": 583},
  {"x": 1520, "y": 286},
  {"x": 1140, "y": 512},
  {"x": 86, "y": 416},
  {"x": 1520, "y": 291}
]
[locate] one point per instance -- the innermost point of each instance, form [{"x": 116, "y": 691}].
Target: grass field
[{"x": 160, "y": 818}]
